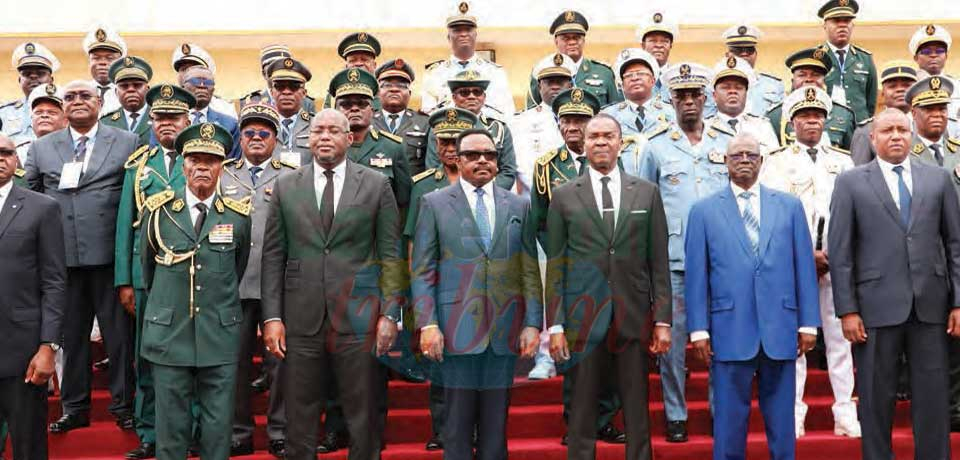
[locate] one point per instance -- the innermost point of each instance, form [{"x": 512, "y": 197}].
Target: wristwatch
[{"x": 53, "y": 346}]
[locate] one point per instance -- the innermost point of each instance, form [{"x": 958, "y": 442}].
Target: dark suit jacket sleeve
[
  {"x": 426, "y": 255},
  {"x": 659, "y": 263},
  {"x": 950, "y": 231},
  {"x": 532, "y": 289},
  {"x": 696, "y": 270},
  {"x": 32, "y": 177},
  {"x": 840, "y": 241},
  {"x": 393, "y": 267},
  {"x": 805, "y": 269},
  {"x": 401, "y": 174},
  {"x": 274, "y": 257},
  {"x": 148, "y": 249},
  {"x": 860, "y": 148},
  {"x": 53, "y": 272},
  {"x": 556, "y": 248},
  {"x": 872, "y": 89}
]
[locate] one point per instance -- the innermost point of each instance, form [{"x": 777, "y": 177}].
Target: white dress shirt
[
  {"x": 755, "y": 205},
  {"x": 613, "y": 185},
  {"x": 91, "y": 138},
  {"x": 320, "y": 182},
  {"x": 192, "y": 202},
  {"x": 5, "y": 192},
  {"x": 386, "y": 117},
  {"x": 166, "y": 157},
  {"x": 203, "y": 112},
  {"x": 140, "y": 114},
  {"x": 470, "y": 191},
  {"x": 893, "y": 182}
]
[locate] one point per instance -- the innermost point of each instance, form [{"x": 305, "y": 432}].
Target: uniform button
[
  {"x": 199, "y": 267},
  {"x": 698, "y": 180},
  {"x": 198, "y": 288},
  {"x": 613, "y": 251},
  {"x": 326, "y": 251},
  {"x": 154, "y": 318},
  {"x": 196, "y": 310},
  {"x": 696, "y": 161}
]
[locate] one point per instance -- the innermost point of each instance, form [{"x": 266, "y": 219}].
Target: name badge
[
  {"x": 221, "y": 234},
  {"x": 593, "y": 81},
  {"x": 838, "y": 94},
  {"x": 70, "y": 175},
  {"x": 290, "y": 157}
]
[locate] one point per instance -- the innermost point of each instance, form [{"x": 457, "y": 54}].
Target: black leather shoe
[
  {"x": 955, "y": 425},
  {"x": 332, "y": 442},
  {"x": 277, "y": 448},
  {"x": 413, "y": 375},
  {"x": 903, "y": 394},
  {"x": 434, "y": 443},
  {"x": 145, "y": 450},
  {"x": 677, "y": 431},
  {"x": 70, "y": 422},
  {"x": 611, "y": 435},
  {"x": 241, "y": 448},
  {"x": 126, "y": 422},
  {"x": 102, "y": 365},
  {"x": 261, "y": 384},
  {"x": 563, "y": 440}
]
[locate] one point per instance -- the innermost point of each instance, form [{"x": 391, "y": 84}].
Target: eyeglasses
[
  {"x": 932, "y": 51},
  {"x": 467, "y": 92},
  {"x": 287, "y": 85},
  {"x": 70, "y": 97},
  {"x": 7, "y": 152},
  {"x": 636, "y": 75},
  {"x": 200, "y": 81},
  {"x": 474, "y": 155},
  {"x": 743, "y": 156},
  {"x": 261, "y": 133},
  {"x": 394, "y": 85},
  {"x": 348, "y": 104}
]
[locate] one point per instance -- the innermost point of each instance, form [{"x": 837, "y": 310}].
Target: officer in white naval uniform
[
  {"x": 103, "y": 45},
  {"x": 733, "y": 80},
  {"x": 807, "y": 169},
  {"x": 766, "y": 90},
  {"x": 925, "y": 47},
  {"x": 35, "y": 65}
]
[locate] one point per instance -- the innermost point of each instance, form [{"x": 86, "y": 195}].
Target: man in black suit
[
  {"x": 81, "y": 167},
  {"x": 607, "y": 288},
  {"x": 894, "y": 242},
  {"x": 32, "y": 296},
  {"x": 333, "y": 265}
]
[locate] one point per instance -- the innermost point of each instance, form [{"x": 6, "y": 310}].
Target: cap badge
[
  {"x": 452, "y": 115},
  {"x": 464, "y": 7},
  {"x": 811, "y": 94},
  {"x": 843, "y": 2},
  {"x": 30, "y": 48},
  {"x": 935, "y": 83},
  {"x": 185, "y": 48},
  {"x": 51, "y": 90},
  {"x": 166, "y": 91},
  {"x": 101, "y": 35},
  {"x": 362, "y": 37},
  {"x": 207, "y": 130},
  {"x": 657, "y": 18},
  {"x": 931, "y": 29},
  {"x": 353, "y": 75},
  {"x": 731, "y": 62},
  {"x": 577, "y": 95},
  {"x": 742, "y": 30},
  {"x": 288, "y": 63},
  {"x": 398, "y": 64},
  {"x": 558, "y": 59},
  {"x": 684, "y": 70},
  {"x": 128, "y": 61},
  {"x": 818, "y": 53},
  {"x": 569, "y": 16}
]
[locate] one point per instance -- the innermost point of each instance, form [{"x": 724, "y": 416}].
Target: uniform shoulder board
[
  {"x": 778, "y": 150},
  {"x": 774, "y": 107},
  {"x": 20, "y": 172},
  {"x": 289, "y": 165},
  {"x": 276, "y": 163},
  {"x": 18, "y": 103},
  {"x": 392, "y": 137},
  {"x": 662, "y": 128},
  {"x": 230, "y": 162},
  {"x": 29, "y": 141},
  {"x": 240, "y": 207},
  {"x": 601, "y": 63},
  {"x": 619, "y": 105},
  {"x": 770, "y": 76},
  {"x": 310, "y": 97},
  {"x": 627, "y": 140},
  {"x": 305, "y": 116},
  {"x": 860, "y": 48},
  {"x": 114, "y": 115},
  {"x": 433, "y": 65},
  {"x": 953, "y": 144},
  {"x": 546, "y": 158},
  {"x": 159, "y": 199},
  {"x": 138, "y": 155},
  {"x": 838, "y": 150},
  {"x": 427, "y": 173},
  {"x": 8, "y": 103},
  {"x": 864, "y": 122}
]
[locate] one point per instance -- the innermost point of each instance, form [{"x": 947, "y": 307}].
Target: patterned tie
[
  {"x": 750, "y": 222},
  {"x": 81, "y": 151},
  {"x": 937, "y": 153},
  {"x": 641, "y": 117},
  {"x": 483, "y": 221},
  {"x": 733, "y": 124},
  {"x": 255, "y": 174},
  {"x": 813, "y": 153},
  {"x": 133, "y": 120},
  {"x": 286, "y": 132},
  {"x": 392, "y": 124},
  {"x": 608, "y": 212},
  {"x": 905, "y": 197},
  {"x": 197, "y": 117},
  {"x": 201, "y": 217},
  {"x": 326, "y": 202}
]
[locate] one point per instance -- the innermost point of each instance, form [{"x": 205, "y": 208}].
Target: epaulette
[
  {"x": 310, "y": 97},
  {"x": 953, "y": 144},
  {"x": 392, "y": 137},
  {"x": 481, "y": 60},
  {"x": 138, "y": 155},
  {"x": 546, "y": 158},
  {"x": 771, "y": 76},
  {"x": 20, "y": 172},
  {"x": 26, "y": 142},
  {"x": 289, "y": 165},
  {"x": 305, "y": 116},
  {"x": 864, "y": 122},
  {"x": 838, "y": 149},
  {"x": 433, "y": 65},
  {"x": 16, "y": 103},
  {"x": 664, "y": 127},
  {"x": 280, "y": 164},
  {"x": 159, "y": 199},
  {"x": 425, "y": 174},
  {"x": 840, "y": 104},
  {"x": 115, "y": 115},
  {"x": 860, "y": 48},
  {"x": 628, "y": 140},
  {"x": 231, "y": 161},
  {"x": 601, "y": 63},
  {"x": 375, "y": 134},
  {"x": 774, "y": 107},
  {"x": 240, "y": 207},
  {"x": 778, "y": 150},
  {"x": 620, "y": 105}
]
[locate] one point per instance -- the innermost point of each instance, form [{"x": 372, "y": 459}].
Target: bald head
[
  {"x": 331, "y": 114},
  {"x": 744, "y": 142},
  {"x": 330, "y": 137},
  {"x": 891, "y": 135}
]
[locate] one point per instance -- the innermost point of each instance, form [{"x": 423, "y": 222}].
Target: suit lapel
[
  {"x": 66, "y": 145},
  {"x": 458, "y": 201},
  {"x": 11, "y": 207},
  {"x": 351, "y": 186},
  {"x": 589, "y": 201},
  {"x": 732, "y": 213},
  {"x": 769, "y": 213},
  {"x": 628, "y": 198},
  {"x": 503, "y": 214},
  {"x": 101, "y": 149},
  {"x": 919, "y": 191},
  {"x": 875, "y": 177}
]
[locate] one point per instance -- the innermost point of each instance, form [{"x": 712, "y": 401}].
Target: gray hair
[{"x": 745, "y": 139}]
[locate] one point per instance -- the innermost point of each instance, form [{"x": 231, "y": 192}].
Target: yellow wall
[{"x": 517, "y": 49}]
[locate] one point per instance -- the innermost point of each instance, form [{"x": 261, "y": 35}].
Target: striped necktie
[{"x": 750, "y": 222}]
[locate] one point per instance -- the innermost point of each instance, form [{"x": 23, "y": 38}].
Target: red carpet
[{"x": 535, "y": 426}]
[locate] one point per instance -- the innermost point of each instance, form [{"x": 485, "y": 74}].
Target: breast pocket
[
  {"x": 673, "y": 177},
  {"x": 223, "y": 257},
  {"x": 416, "y": 145}
]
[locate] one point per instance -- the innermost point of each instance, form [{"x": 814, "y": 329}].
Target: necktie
[
  {"x": 197, "y": 117},
  {"x": 81, "y": 151},
  {"x": 392, "y": 124},
  {"x": 641, "y": 117},
  {"x": 582, "y": 159},
  {"x": 103, "y": 90},
  {"x": 326, "y": 202},
  {"x": 841, "y": 56},
  {"x": 733, "y": 124},
  {"x": 937, "y": 153},
  {"x": 905, "y": 197},
  {"x": 133, "y": 120},
  {"x": 172, "y": 160},
  {"x": 607, "y": 212},
  {"x": 813, "y": 153},
  {"x": 483, "y": 221},
  {"x": 750, "y": 222},
  {"x": 286, "y": 132},
  {"x": 201, "y": 217},
  {"x": 463, "y": 64},
  {"x": 255, "y": 174}
]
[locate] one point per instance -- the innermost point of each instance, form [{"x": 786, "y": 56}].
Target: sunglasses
[
  {"x": 7, "y": 152},
  {"x": 742, "y": 51},
  {"x": 744, "y": 155},
  {"x": 348, "y": 104},
  {"x": 474, "y": 155},
  {"x": 261, "y": 133},
  {"x": 200, "y": 81},
  {"x": 467, "y": 92},
  {"x": 932, "y": 51},
  {"x": 287, "y": 85},
  {"x": 70, "y": 97},
  {"x": 636, "y": 75}
]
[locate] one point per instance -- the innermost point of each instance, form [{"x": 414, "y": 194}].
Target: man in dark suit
[
  {"x": 472, "y": 322},
  {"x": 32, "y": 298},
  {"x": 747, "y": 243},
  {"x": 82, "y": 168},
  {"x": 607, "y": 288},
  {"x": 894, "y": 243},
  {"x": 199, "y": 81},
  {"x": 332, "y": 260}
]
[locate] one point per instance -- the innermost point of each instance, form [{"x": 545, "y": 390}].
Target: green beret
[
  {"x": 170, "y": 99},
  {"x": 130, "y": 67},
  {"x": 209, "y": 138}
]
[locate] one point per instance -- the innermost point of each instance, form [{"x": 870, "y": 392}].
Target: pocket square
[{"x": 639, "y": 211}]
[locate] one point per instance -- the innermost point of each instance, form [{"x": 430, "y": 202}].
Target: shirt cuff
[
  {"x": 429, "y": 326},
  {"x": 808, "y": 330},
  {"x": 699, "y": 335},
  {"x": 271, "y": 319},
  {"x": 658, "y": 323},
  {"x": 556, "y": 329}
]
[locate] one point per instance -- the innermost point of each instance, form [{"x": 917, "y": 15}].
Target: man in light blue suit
[
  {"x": 200, "y": 82},
  {"x": 752, "y": 300}
]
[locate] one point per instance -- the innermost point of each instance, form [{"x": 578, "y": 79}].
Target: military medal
[
  {"x": 221, "y": 234},
  {"x": 380, "y": 161},
  {"x": 715, "y": 157},
  {"x": 675, "y": 136}
]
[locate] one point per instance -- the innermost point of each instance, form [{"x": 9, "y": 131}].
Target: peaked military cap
[
  {"x": 395, "y": 68},
  {"x": 811, "y": 57},
  {"x": 687, "y": 75},
  {"x": 461, "y": 16},
  {"x": 930, "y": 91},
  {"x": 897, "y": 69},
  {"x": 130, "y": 67},
  {"x": 32, "y": 54},
  {"x": 104, "y": 38},
  {"x": 45, "y": 92},
  {"x": 449, "y": 123},
  {"x": 834, "y": 9},
  {"x": 288, "y": 69},
  {"x": 209, "y": 138},
  {"x": 260, "y": 111},
  {"x": 554, "y": 65},
  {"x": 576, "y": 101},
  {"x": 271, "y": 53},
  {"x": 353, "y": 81},
  {"x": 807, "y": 97},
  {"x": 930, "y": 33},
  {"x": 570, "y": 22},
  {"x": 742, "y": 35},
  {"x": 168, "y": 98},
  {"x": 468, "y": 79},
  {"x": 358, "y": 41}
]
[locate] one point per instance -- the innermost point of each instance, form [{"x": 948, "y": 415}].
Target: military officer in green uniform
[
  {"x": 149, "y": 171},
  {"x": 130, "y": 76},
  {"x": 354, "y": 90},
  {"x": 569, "y": 32},
  {"x": 853, "y": 80},
  {"x": 808, "y": 68},
  {"x": 396, "y": 117},
  {"x": 288, "y": 79},
  {"x": 194, "y": 254},
  {"x": 574, "y": 107},
  {"x": 359, "y": 50},
  {"x": 469, "y": 91},
  {"x": 268, "y": 54}
]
